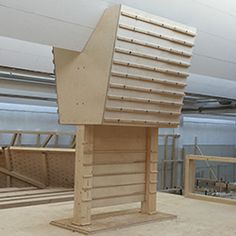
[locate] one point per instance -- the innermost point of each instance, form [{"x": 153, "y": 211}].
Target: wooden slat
[
  {"x": 212, "y": 199},
  {"x": 159, "y": 23},
  {"x": 157, "y": 35},
  {"x": 155, "y": 46},
  {"x": 117, "y": 200},
  {"x": 152, "y": 57},
  {"x": 144, "y": 100},
  {"x": 155, "y": 69},
  {"x": 118, "y": 158},
  {"x": 114, "y": 180},
  {"x": 120, "y": 139},
  {"x": 37, "y": 201},
  {"x": 118, "y": 168},
  {"x": 135, "y": 121},
  {"x": 146, "y": 90},
  {"x": 41, "y": 149},
  {"x": 142, "y": 111},
  {"x": 35, "y": 132},
  {"x": 34, "y": 196},
  {"x": 212, "y": 158},
  {"x": 115, "y": 191},
  {"x": 148, "y": 79},
  {"x": 15, "y": 190},
  {"x": 30, "y": 191}
]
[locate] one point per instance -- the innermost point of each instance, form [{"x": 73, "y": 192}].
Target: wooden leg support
[
  {"x": 83, "y": 175},
  {"x": 189, "y": 177},
  {"x": 149, "y": 204}
]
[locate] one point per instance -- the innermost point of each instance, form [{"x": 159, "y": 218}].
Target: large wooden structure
[
  {"x": 190, "y": 177},
  {"x": 128, "y": 82}
]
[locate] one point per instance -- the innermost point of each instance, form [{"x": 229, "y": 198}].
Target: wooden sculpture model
[{"x": 127, "y": 82}]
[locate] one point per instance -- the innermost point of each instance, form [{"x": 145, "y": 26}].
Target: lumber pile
[{"x": 30, "y": 196}]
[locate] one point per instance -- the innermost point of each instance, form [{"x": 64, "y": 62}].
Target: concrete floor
[{"x": 194, "y": 218}]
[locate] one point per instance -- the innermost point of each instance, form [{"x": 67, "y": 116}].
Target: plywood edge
[
  {"x": 211, "y": 199},
  {"x": 81, "y": 94},
  {"x": 41, "y": 149},
  {"x": 113, "y": 220},
  {"x": 211, "y": 158}
]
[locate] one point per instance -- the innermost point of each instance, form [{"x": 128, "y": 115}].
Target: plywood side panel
[
  {"x": 28, "y": 163},
  {"x": 52, "y": 167},
  {"x": 82, "y": 80}
]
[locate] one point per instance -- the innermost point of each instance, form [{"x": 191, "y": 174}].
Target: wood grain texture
[{"x": 82, "y": 79}]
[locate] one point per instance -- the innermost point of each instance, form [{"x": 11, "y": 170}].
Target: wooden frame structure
[
  {"x": 190, "y": 178},
  {"x": 127, "y": 82},
  {"x": 37, "y": 138}
]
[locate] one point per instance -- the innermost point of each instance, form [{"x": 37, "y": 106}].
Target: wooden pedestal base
[{"x": 113, "y": 220}]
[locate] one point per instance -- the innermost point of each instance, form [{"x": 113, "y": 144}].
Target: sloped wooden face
[{"x": 149, "y": 70}]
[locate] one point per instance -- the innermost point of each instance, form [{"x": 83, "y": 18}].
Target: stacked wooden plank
[{"x": 19, "y": 197}]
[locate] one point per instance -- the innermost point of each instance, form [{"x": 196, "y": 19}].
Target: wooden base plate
[{"x": 113, "y": 220}]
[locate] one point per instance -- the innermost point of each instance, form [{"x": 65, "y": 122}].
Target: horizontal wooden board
[
  {"x": 169, "y": 26},
  {"x": 41, "y": 149},
  {"x": 142, "y": 117},
  {"x": 115, "y": 191},
  {"x": 117, "y": 200},
  {"x": 36, "y": 201},
  {"x": 31, "y": 192},
  {"x": 135, "y": 91},
  {"x": 119, "y": 157},
  {"x": 146, "y": 84},
  {"x": 141, "y": 105},
  {"x": 118, "y": 138},
  {"x": 147, "y": 64},
  {"x": 118, "y": 168},
  {"x": 153, "y": 40},
  {"x": 114, "y": 180},
  {"x": 35, "y": 196},
  {"x": 148, "y": 48},
  {"x": 15, "y": 190}
]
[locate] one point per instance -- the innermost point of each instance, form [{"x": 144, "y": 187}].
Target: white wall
[
  {"x": 208, "y": 131},
  {"x": 25, "y": 55},
  {"x": 68, "y": 24}
]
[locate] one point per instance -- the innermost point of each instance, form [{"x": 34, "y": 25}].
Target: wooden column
[
  {"x": 189, "y": 177},
  {"x": 149, "y": 204},
  {"x": 83, "y": 175}
]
